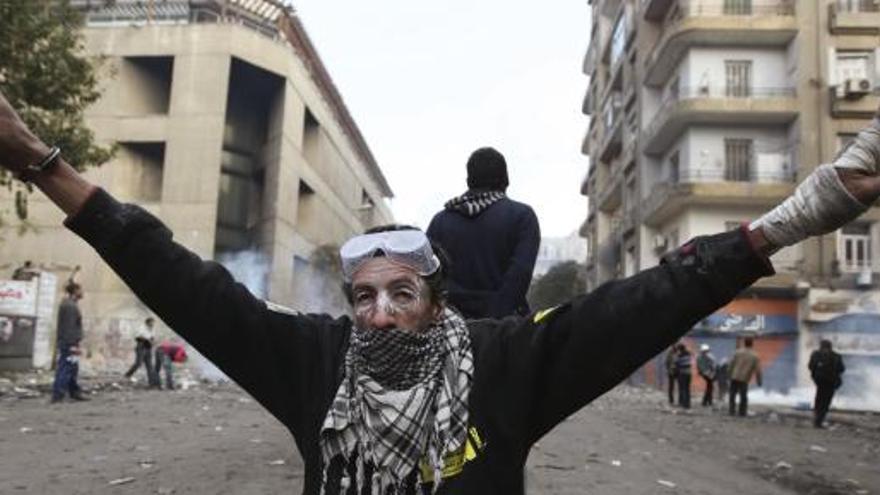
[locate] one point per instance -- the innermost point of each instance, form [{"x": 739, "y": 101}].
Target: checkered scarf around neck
[
  {"x": 403, "y": 399},
  {"x": 472, "y": 203}
]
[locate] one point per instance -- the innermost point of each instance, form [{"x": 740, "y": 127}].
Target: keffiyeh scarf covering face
[
  {"x": 403, "y": 399},
  {"x": 472, "y": 203}
]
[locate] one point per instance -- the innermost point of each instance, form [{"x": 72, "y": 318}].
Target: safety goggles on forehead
[{"x": 407, "y": 247}]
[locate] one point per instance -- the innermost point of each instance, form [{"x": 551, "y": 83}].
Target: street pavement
[{"x": 214, "y": 439}]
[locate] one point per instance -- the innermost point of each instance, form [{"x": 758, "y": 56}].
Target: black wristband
[{"x": 30, "y": 172}]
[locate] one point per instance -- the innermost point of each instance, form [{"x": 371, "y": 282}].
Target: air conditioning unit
[
  {"x": 865, "y": 279},
  {"x": 660, "y": 243},
  {"x": 856, "y": 88}
]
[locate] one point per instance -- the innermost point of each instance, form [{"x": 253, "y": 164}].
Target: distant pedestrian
[
  {"x": 167, "y": 353},
  {"x": 491, "y": 239},
  {"x": 826, "y": 366},
  {"x": 707, "y": 369},
  {"x": 683, "y": 372},
  {"x": 743, "y": 366},
  {"x": 25, "y": 272},
  {"x": 671, "y": 377},
  {"x": 143, "y": 351},
  {"x": 70, "y": 334}
]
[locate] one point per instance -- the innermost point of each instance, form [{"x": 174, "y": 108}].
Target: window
[
  {"x": 855, "y": 64},
  {"x": 858, "y": 5},
  {"x": 855, "y": 248},
  {"x": 675, "y": 89},
  {"x": 618, "y": 39},
  {"x": 737, "y": 7},
  {"x": 630, "y": 197},
  {"x": 738, "y": 157},
  {"x": 629, "y": 267},
  {"x": 844, "y": 140},
  {"x": 739, "y": 78},
  {"x": 673, "y": 239},
  {"x": 674, "y": 167}
]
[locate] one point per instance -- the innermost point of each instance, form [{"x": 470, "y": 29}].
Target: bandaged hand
[{"x": 832, "y": 196}]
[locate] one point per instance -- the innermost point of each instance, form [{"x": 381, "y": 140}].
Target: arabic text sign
[{"x": 18, "y": 298}]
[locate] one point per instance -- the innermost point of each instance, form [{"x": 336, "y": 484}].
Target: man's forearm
[{"x": 65, "y": 187}]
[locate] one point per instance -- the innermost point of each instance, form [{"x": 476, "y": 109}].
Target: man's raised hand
[{"x": 18, "y": 145}]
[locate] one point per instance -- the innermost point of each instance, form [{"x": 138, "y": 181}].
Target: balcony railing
[
  {"x": 856, "y": 6},
  {"x": 714, "y": 92},
  {"x": 854, "y": 17},
  {"x": 258, "y": 15},
  {"x": 715, "y": 8}
]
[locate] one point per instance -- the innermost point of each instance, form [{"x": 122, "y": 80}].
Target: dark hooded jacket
[{"x": 493, "y": 250}]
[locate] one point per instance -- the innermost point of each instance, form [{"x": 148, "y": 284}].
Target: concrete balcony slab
[
  {"x": 668, "y": 199},
  {"x": 762, "y": 108},
  {"x": 716, "y": 30}
]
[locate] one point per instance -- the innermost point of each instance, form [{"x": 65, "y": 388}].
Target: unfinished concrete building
[
  {"x": 230, "y": 129},
  {"x": 705, "y": 114}
]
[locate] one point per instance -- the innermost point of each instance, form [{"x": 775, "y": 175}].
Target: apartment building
[
  {"x": 230, "y": 129},
  {"x": 707, "y": 113}
]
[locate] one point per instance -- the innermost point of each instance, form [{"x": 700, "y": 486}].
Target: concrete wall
[
  {"x": 192, "y": 130},
  {"x": 706, "y": 67}
]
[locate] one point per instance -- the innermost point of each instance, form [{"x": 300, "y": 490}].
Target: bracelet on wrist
[{"x": 30, "y": 172}]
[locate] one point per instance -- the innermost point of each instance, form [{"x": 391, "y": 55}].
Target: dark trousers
[
  {"x": 824, "y": 394},
  {"x": 163, "y": 362},
  {"x": 684, "y": 390},
  {"x": 142, "y": 355},
  {"x": 65, "y": 374},
  {"x": 671, "y": 386},
  {"x": 742, "y": 389},
  {"x": 707, "y": 394}
]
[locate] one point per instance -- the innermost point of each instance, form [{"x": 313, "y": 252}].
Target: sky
[{"x": 429, "y": 82}]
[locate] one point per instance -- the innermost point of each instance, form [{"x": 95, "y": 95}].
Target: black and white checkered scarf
[
  {"x": 472, "y": 203},
  {"x": 403, "y": 399}
]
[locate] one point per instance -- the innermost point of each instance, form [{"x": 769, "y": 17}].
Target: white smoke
[
  {"x": 863, "y": 394},
  {"x": 251, "y": 268}
]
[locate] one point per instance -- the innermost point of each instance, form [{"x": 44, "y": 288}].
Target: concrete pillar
[{"x": 193, "y": 152}]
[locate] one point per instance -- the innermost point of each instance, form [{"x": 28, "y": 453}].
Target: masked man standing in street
[
  {"x": 409, "y": 397},
  {"x": 491, "y": 239}
]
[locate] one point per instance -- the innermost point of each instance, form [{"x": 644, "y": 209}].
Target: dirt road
[{"x": 216, "y": 440}]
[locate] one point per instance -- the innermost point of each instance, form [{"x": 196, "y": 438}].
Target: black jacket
[
  {"x": 826, "y": 366},
  {"x": 69, "y": 329},
  {"x": 493, "y": 255},
  {"x": 530, "y": 373}
]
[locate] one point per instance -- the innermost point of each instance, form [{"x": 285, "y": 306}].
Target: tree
[
  {"x": 561, "y": 283},
  {"x": 49, "y": 80}
]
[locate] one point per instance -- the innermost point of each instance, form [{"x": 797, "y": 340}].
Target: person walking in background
[
  {"x": 491, "y": 239},
  {"x": 143, "y": 350},
  {"x": 167, "y": 353},
  {"x": 683, "y": 372},
  {"x": 743, "y": 366},
  {"x": 707, "y": 369},
  {"x": 826, "y": 367},
  {"x": 70, "y": 333},
  {"x": 671, "y": 377}
]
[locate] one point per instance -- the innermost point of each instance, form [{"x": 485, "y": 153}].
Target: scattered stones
[
  {"x": 277, "y": 462},
  {"x": 782, "y": 466},
  {"x": 122, "y": 481},
  {"x": 616, "y": 463},
  {"x": 818, "y": 448},
  {"x": 667, "y": 484}
]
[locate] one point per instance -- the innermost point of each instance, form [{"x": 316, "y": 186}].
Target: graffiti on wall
[{"x": 754, "y": 316}]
